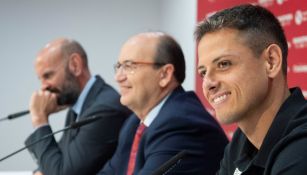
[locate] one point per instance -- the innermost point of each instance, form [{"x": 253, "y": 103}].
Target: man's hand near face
[{"x": 42, "y": 104}]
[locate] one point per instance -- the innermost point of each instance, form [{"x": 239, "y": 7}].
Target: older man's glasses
[{"x": 130, "y": 66}]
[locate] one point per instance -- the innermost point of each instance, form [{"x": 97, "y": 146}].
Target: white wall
[
  {"x": 179, "y": 19},
  {"x": 101, "y": 26}
]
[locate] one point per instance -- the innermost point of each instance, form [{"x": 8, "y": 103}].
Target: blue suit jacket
[{"x": 181, "y": 124}]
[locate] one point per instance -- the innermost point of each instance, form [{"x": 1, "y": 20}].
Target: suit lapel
[
  {"x": 71, "y": 133},
  {"x": 90, "y": 98}
]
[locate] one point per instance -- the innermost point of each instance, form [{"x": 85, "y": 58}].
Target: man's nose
[
  {"x": 45, "y": 85},
  {"x": 210, "y": 82},
  {"x": 119, "y": 75}
]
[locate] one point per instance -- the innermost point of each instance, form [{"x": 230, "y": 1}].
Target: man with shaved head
[
  {"x": 66, "y": 82},
  {"x": 167, "y": 119}
]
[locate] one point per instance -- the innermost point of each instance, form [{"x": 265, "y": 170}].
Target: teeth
[{"x": 220, "y": 98}]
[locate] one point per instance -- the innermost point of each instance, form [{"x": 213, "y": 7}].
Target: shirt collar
[
  {"x": 78, "y": 105},
  {"x": 154, "y": 112}
]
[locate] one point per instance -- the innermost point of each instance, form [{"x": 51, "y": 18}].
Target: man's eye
[
  {"x": 117, "y": 66},
  {"x": 202, "y": 73},
  {"x": 224, "y": 64},
  {"x": 127, "y": 65},
  {"x": 48, "y": 75}
]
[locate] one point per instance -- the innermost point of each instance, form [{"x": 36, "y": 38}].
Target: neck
[
  {"x": 154, "y": 100},
  {"x": 83, "y": 79},
  {"x": 258, "y": 122}
]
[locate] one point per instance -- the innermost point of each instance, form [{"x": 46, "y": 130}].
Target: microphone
[
  {"x": 74, "y": 125},
  {"x": 170, "y": 164},
  {"x": 15, "y": 115}
]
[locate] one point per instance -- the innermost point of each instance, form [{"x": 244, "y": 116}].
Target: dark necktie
[
  {"x": 134, "y": 149},
  {"x": 72, "y": 116}
]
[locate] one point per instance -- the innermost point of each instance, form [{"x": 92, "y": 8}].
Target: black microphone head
[{"x": 18, "y": 114}]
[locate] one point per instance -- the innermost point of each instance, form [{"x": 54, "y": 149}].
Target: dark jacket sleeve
[
  {"x": 84, "y": 150},
  {"x": 90, "y": 147}
]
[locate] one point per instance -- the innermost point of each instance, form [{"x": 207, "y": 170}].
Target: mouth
[
  {"x": 53, "y": 90},
  {"x": 124, "y": 89},
  {"x": 220, "y": 98}
]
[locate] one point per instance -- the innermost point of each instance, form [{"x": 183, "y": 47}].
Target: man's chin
[
  {"x": 61, "y": 102},
  {"x": 225, "y": 119},
  {"x": 124, "y": 101}
]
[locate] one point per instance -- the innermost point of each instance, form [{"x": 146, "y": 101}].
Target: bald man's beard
[{"x": 70, "y": 90}]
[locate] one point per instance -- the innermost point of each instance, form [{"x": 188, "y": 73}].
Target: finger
[
  {"x": 40, "y": 92},
  {"x": 47, "y": 93}
]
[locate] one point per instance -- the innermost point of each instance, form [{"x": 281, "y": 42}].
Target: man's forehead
[
  {"x": 143, "y": 41},
  {"x": 138, "y": 51},
  {"x": 47, "y": 61}
]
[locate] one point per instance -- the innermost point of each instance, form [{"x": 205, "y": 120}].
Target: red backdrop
[{"x": 293, "y": 16}]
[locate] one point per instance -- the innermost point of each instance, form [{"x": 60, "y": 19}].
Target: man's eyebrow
[
  {"x": 218, "y": 58},
  {"x": 214, "y": 61},
  {"x": 47, "y": 73},
  {"x": 125, "y": 61},
  {"x": 200, "y": 67}
]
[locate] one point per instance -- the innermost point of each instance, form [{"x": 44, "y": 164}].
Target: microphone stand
[
  {"x": 74, "y": 125},
  {"x": 42, "y": 138},
  {"x": 170, "y": 164}
]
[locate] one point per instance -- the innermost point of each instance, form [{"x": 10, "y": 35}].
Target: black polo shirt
[{"x": 284, "y": 148}]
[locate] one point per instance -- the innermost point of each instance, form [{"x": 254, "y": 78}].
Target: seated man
[
  {"x": 62, "y": 68},
  {"x": 166, "y": 119},
  {"x": 243, "y": 62}
]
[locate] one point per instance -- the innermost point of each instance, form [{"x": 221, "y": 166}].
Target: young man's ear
[{"x": 273, "y": 55}]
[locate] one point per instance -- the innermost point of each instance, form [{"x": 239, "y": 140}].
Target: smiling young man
[
  {"x": 243, "y": 64},
  {"x": 149, "y": 72}
]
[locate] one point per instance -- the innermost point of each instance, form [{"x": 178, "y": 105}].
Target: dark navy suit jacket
[
  {"x": 84, "y": 150},
  {"x": 181, "y": 124}
]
